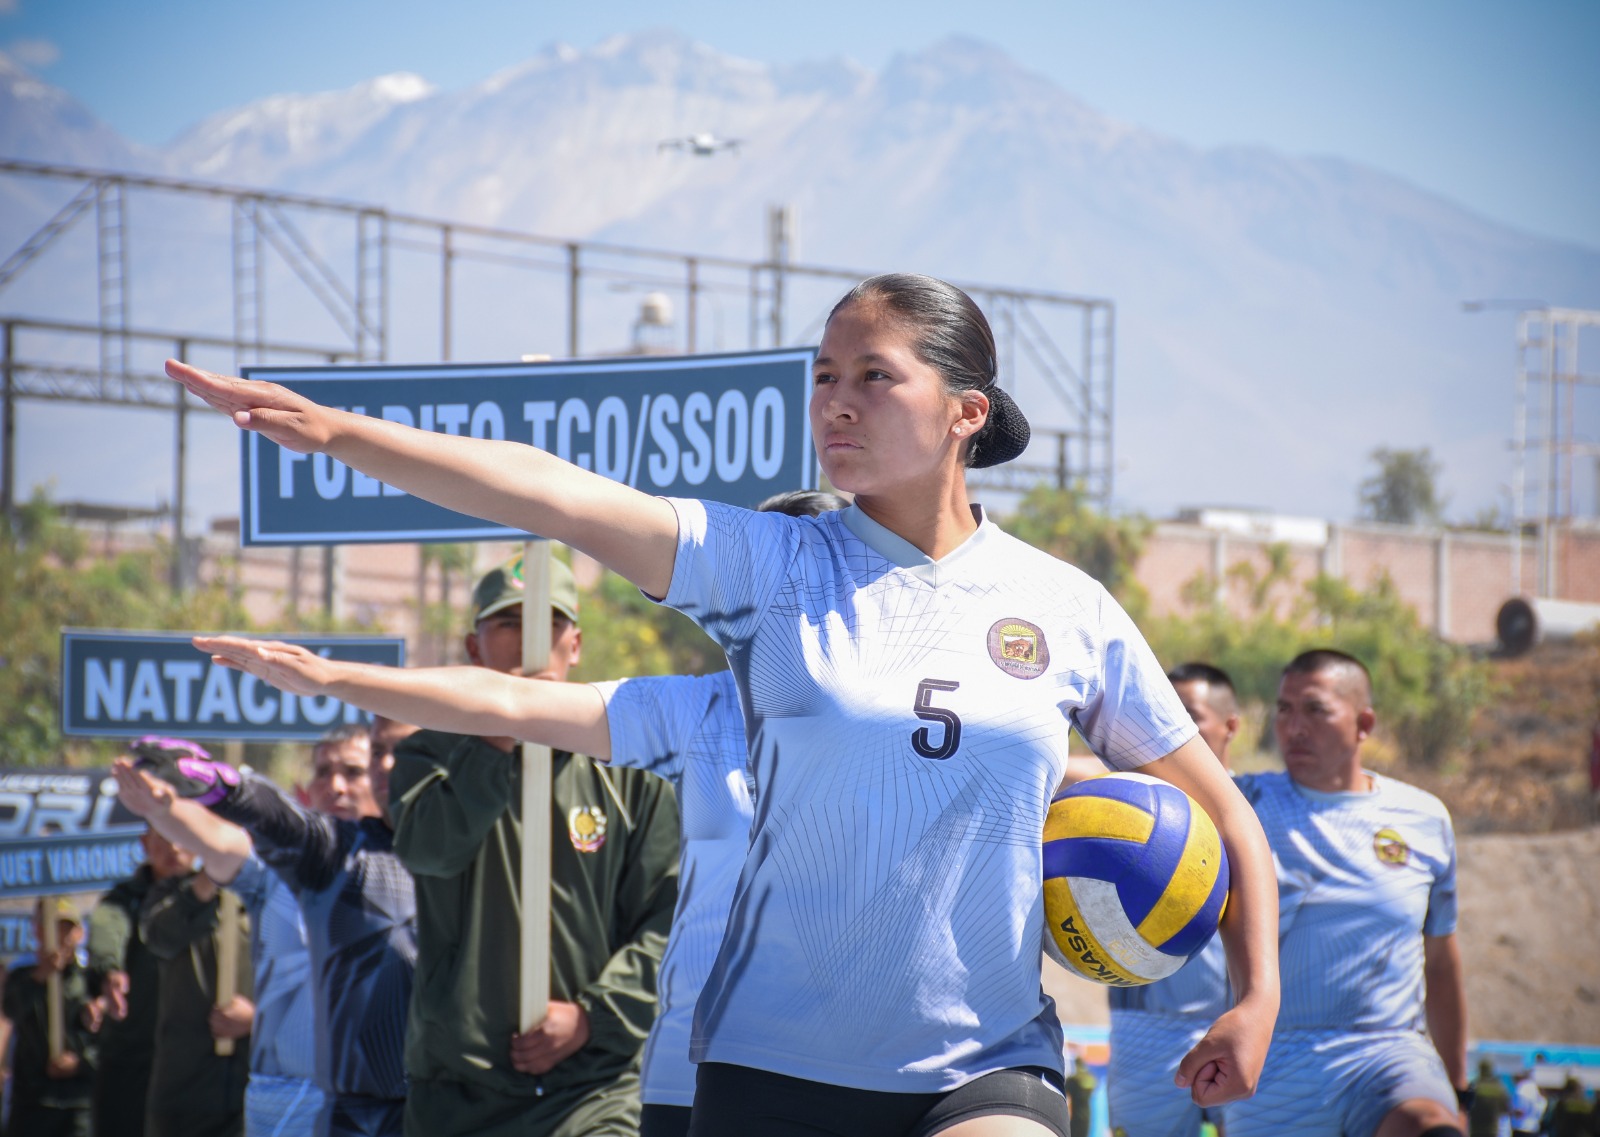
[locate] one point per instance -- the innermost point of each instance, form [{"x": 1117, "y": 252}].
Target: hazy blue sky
[{"x": 1496, "y": 105}]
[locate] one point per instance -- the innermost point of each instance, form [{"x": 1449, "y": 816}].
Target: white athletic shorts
[
  {"x": 1326, "y": 1084},
  {"x": 1146, "y": 1047}
]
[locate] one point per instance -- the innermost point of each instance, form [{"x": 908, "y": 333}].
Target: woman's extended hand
[
  {"x": 288, "y": 667},
  {"x": 292, "y": 421},
  {"x": 143, "y": 795}
]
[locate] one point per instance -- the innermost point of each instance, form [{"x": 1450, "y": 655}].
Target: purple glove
[{"x": 186, "y": 767}]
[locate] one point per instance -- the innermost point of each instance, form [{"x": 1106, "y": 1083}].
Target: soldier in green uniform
[
  {"x": 51, "y": 1097},
  {"x": 1491, "y": 1101},
  {"x": 1571, "y": 1112},
  {"x": 1080, "y": 1089},
  {"x": 124, "y": 977},
  {"x": 194, "y": 1091},
  {"x": 456, "y": 803}
]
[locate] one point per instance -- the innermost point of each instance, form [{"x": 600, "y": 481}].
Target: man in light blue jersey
[
  {"x": 1367, "y": 948},
  {"x": 1154, "y": 1026}
]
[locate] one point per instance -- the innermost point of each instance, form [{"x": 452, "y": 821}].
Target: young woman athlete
[{"x": 905, "y": 668}]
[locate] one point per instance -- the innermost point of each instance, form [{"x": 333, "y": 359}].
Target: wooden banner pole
[
  {"x": 54, "y": 1011},
  {"x": 536, "y": 774},
  {"x": 227, "y": 958}
]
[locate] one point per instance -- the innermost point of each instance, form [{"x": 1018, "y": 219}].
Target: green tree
[
  {"x": 47, "y": 582},
  {"x": 1064, "y": 524},
  {"x": 1425, "y": 690},
  {"x": 624, "y": 634},
  {"x": 1404, "y": 490}
]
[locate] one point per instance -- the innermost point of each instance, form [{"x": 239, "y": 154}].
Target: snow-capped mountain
[
  {"x": 1278, "y": 316},
  {"x": 41, "y": 123}
]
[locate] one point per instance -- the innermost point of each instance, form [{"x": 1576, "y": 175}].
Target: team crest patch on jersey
[
  {"x": 1391, "y": 847},
  {"x": 1018, "y": 648},
  {"x": 586, "y": 825}
]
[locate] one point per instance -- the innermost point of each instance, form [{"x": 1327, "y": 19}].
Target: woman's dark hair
[
  {"x": 802, "y": 503},
  {"x": 952, "y": 337}
]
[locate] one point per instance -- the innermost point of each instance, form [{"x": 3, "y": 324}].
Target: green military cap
[{"x": 503, "y": 588}]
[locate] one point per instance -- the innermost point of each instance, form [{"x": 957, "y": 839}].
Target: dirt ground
[
  {"x": 1526, "y": 767},
  {"x": 1529, "y": 932}
]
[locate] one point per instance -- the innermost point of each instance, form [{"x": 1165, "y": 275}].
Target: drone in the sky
[{"x": 702, "y": 145}]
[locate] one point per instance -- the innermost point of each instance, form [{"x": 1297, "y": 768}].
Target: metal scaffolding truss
[
  {"x": 1554, "y": 426},
  {"x": 352, "y": 258}
]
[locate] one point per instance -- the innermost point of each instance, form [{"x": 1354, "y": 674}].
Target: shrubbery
[
  {"x": 49, "y": 581},
  {"x": 1426, "y": 691}
]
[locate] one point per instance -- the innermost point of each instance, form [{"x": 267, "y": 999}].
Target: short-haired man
[
  {"x": 126, "y": 978},
  {"x": 356, "y": 898},
  {"x": 1367, "y": 945},
  {"x": 51, "y": 1096},
  {"x": 1154, "y": 1026},
  {"x": 614, "y": 867},
  {"x": 195, "y": 1090}
]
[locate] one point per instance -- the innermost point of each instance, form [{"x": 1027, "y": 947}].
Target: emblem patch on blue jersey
[
  {"x": 1391, "y": 847},
  {"x": 586, "y": 826},
  {"x": 1018, "y": 648}
]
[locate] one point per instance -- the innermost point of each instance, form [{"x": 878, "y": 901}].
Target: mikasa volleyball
[{"x": 1135, "y": 878}]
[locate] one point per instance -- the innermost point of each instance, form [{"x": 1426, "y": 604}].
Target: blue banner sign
[
  {"x": 128, "y": 684},
  {"x": 730, "y": 428},
  {"x": 64, "y": 831}
]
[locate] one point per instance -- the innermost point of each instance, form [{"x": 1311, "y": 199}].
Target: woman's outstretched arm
[
  {"x": 518, "y": 486},
  {"x": 461, "y": 700}
]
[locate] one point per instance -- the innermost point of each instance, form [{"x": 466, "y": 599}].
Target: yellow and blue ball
[{"x": 1135, "y": 878}]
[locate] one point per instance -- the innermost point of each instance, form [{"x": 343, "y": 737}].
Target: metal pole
[
  {"x": 1547, "y": 568},
  {"x": 574, "y": 277},
  {"x": 693, "y": 290},
  {"x": 331, "y": 590},
  {"x": 755, "y": 307},
  {"x": 446, "y": 272},
  {"x": 1111, "y": 387},
  {"x": 1519, "y": 474},
  {"x": 778, "y": 237},
  {"x": 180, "y": 402},
  {"x": 8, "y": 423}
]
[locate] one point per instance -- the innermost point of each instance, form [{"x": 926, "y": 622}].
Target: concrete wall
[{"x": 1455, "y": 581}]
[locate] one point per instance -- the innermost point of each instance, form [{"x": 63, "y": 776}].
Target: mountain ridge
[{"x": 1288, "y": 312}]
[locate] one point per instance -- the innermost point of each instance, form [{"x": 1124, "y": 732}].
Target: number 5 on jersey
[{"x": 922, "y": 738}]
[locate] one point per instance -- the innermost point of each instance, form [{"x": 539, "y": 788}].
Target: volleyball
[{"x": 1135, "y": 878}]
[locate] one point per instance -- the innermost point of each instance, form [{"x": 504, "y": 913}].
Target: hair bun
[{"x": 1006, "y": 433}]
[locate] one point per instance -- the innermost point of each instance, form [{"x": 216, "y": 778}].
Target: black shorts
[
  {"x": 736, "y": 1101},
  {"x": 664, "y": 1120}
]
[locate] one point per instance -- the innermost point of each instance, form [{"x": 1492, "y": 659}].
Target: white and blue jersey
[
  {"x": 281, "y": 1098},
  {"x": 1152, "y": 1028},
  {"x": 688, "y": 730},
  {"x": 907, "y": 722},
  {"x": 1362, "y": 878}
]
